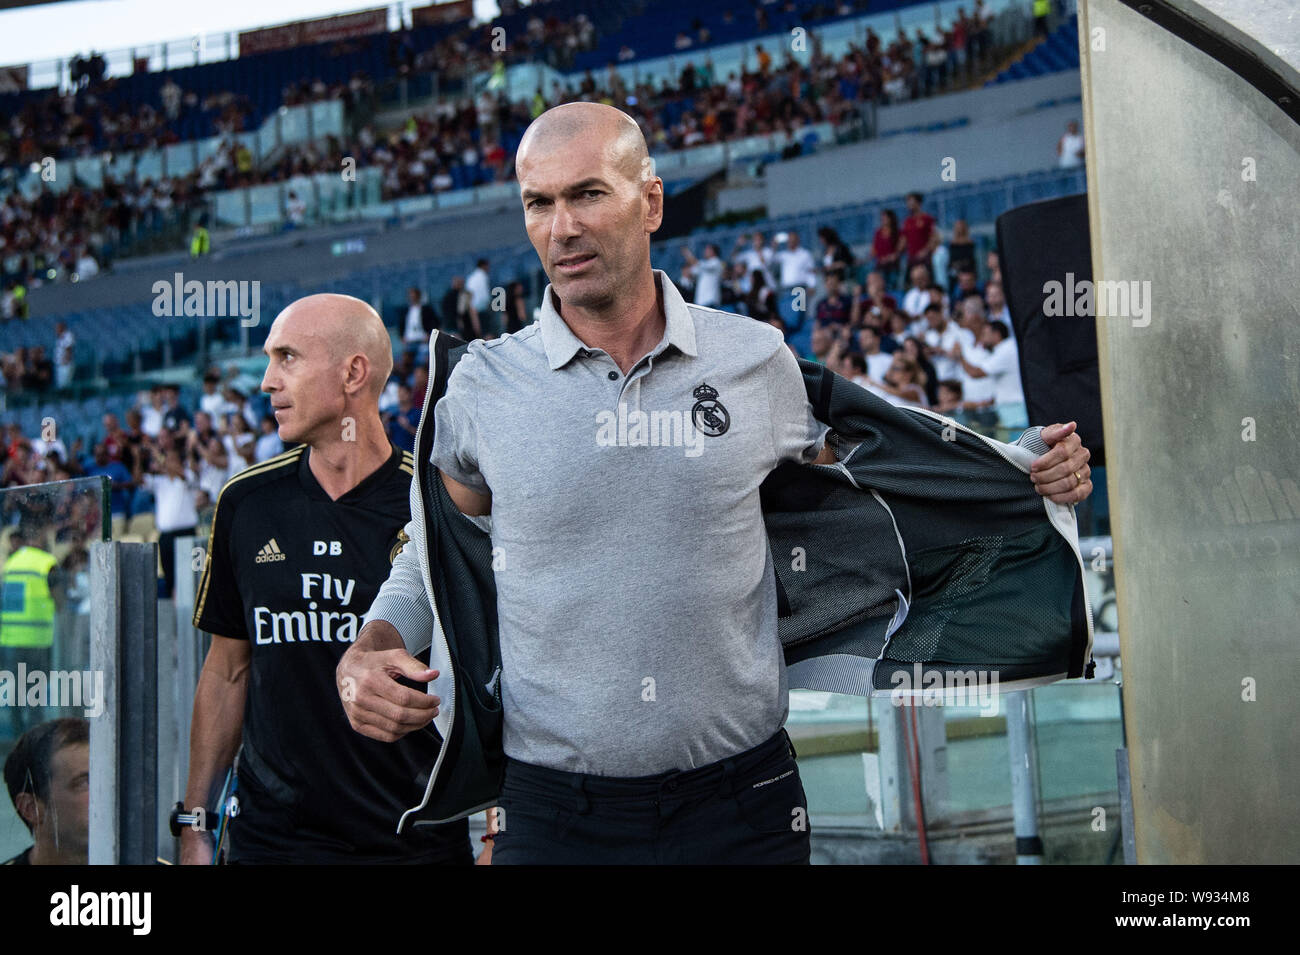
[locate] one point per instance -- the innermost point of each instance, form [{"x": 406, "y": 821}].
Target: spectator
[
  {"x": 151, "y": 412},
  {"x": 268, "y": 442},
  {"x": 1000, "y": 362},
  {"x": 239, "y": 443},
  {"x": 479, "y": 287},
  {"x": 914, "y": 349},
  {"x": 1069, "y": 148},
  {"x": 175, "y": 513},
  {"x": 517, "y": 315},
  {"x": 798, "y": 281},
  {"x": 120, "y": 478},
  {"x": 458, "y": 311},
  {"x": 206, "y": 454},
  {"x": 65, "y": 347},
  {"x": 837, "y": 258},
  {"x": 887, "y": 247},
  {"x": 919, "y": 232},
  {"x": 402, "y": 423},
  {"x": 707, "y": 276},
  {"x": 834, "y": 306},
  {"x": 904, "y": 384},
  {"x": 876, "y": 363},
  {"x": 200, "y": 241},
  {"x": 997, "y": 305},
  {"x": 977, "y": 391},
  {"x": 1042, "y": 10},
  {"x": 212, "y": 401},
  {"x": 173, "y": 413},
  {"x": 961, "y": 252},
  {"x": 939, "y": 339},
  {"x": 295, "y": 210},
  {"x": 757, "y": 256},
  {"x": 760, "y": 303},
  {"x": 418, "y": 320},
  {"x": 918, "y": 295}
]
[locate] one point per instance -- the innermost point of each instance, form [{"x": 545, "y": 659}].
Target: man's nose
[{"x": 565, "y": 224}]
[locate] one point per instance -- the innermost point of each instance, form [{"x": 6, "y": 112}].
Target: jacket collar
[{"x": 561, "y": 344}]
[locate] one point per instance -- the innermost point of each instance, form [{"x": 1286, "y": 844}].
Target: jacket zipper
[{"x": 426, "y": 572}]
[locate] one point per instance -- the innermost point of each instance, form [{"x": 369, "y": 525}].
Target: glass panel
[{"x": 45, "y": 536}]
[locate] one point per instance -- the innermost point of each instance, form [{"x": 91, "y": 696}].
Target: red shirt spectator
[{"x": 918, "y": 231}]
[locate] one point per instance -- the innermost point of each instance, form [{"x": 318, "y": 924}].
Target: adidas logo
[{"x": 269, "y": 553}]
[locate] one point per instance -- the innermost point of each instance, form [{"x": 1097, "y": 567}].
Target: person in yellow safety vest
[
  {"x": 200, "y": 242},
  {"x": 26, "y": 617},
  {"x": 1042, "y": 10}
]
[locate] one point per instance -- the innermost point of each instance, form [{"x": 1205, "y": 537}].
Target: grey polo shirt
[{"x": 635, "y": 591}]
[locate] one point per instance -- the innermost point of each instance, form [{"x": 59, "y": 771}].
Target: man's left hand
[{"x": 1062, "y": 474}]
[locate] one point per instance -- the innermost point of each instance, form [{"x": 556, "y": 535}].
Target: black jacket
[{"x": 925, "y": 546}]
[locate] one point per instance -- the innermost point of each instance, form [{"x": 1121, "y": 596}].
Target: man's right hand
[{"x": 376, "y": 704}]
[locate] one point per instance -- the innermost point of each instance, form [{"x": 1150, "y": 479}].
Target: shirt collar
[{"x": 561, "y": 344}]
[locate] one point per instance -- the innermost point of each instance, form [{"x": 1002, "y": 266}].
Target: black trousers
[
  {"x": 167, "y": 555},
  {"x": 749, "y": 809}
]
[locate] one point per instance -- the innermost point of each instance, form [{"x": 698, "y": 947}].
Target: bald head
[
  {"x": 607, "y": 131},
  {"x": 344, "y": 327}
]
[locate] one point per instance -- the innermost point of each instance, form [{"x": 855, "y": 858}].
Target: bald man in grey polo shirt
[{"x": 618, "y": 445}]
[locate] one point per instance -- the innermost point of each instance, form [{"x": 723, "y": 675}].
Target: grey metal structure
[
  {"x": 1024, "y": 778},
  {"x": 123, "y": 755},
  {"x": 1192, "y": 123}
]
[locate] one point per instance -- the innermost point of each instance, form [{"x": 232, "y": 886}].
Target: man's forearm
[
  {"x": 378, "y": 635},
  {"x": 216, "y": 728}
]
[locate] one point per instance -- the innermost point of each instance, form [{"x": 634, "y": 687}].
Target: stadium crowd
[
  {"x": 453, "y": 144},
  {"x": 945, "y": 342}
]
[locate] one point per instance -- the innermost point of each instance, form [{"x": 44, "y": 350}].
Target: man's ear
[
  {"x": 29, "y": 809},
  {"x": 358, "y": 371},
  {"x": 654, "y": 205}
]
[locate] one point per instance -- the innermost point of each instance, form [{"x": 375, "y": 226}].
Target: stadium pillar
[{"x": 123, "y": 808}]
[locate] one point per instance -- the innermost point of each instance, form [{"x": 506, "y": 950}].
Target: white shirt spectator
[
  {"x": 952, "y": 334},
  {"x": 708, "y": 282},
  {"x": 753, "y": 260},
  {"x": 151, "y": 420},
  {"x": 173, "y": 501},
  {"x": 234, "y": 460},
  {"x": 268, "y": 446},
  {"x": 878, "y": 365},
  {"x": 479, "y": 291},
  {"x": 1002, "y": 366},
  {"x": 915, "y": 300},
  {"x": 975, "y": 389},
  {"x": 216, "y": 405},
  {"x": 41, "y": 447},
  {"x": 64, "y": 358},
  {"x": 414, "y": 334},
  {"x": 296, "y": 209},
  {"x": 1071, "y": 147},
  {"x": 797, "y": 267}
]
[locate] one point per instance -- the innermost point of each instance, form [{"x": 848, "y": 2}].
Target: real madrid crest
[
  {"x": 402, "y": 540},
  {"x": 709, "y": 414}
]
